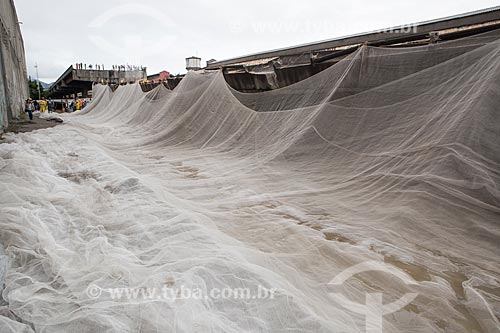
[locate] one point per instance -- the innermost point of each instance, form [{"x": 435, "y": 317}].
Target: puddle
[
  {"x": 79, "y": 176},
  {"x": 190, "y": 172},
  {"x": 418, "y": 273},
  {"x": 456, "y": 280},
  {"x": 126, "y": 186},
  {"x": 333, "y": 236}
]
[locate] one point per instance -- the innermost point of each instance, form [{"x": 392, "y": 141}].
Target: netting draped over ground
[{"x": 390, "y": 155}]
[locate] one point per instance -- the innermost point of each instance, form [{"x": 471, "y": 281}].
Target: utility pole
[{"x": 37, "y": 81}]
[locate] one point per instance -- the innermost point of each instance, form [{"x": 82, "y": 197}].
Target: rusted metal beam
[{"x": 334, "y": 54}]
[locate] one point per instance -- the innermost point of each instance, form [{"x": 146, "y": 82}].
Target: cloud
[{"x": 160, "y": 34}]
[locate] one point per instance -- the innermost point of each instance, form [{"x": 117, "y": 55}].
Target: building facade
[{"x": 159, "y": 77}]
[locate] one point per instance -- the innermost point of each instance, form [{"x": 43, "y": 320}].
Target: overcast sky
[{"x": 160, "y": 34}]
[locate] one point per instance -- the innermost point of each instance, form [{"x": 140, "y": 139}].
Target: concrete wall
[
  {"x": 13, "y": 76},
  {"x": 108, "y": 76},
  {"x": 74, "y": 81}
]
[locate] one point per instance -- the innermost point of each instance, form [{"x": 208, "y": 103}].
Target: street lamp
[{"x": 37, "y": 81}]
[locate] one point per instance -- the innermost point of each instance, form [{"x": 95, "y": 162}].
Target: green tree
[{"x": 33, "y": 86}]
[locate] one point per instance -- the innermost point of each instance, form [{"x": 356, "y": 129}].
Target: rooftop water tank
[{"x": 193, "y": 63}]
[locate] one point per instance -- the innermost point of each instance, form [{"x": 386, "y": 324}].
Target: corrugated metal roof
[
  {"x": 256, "y": 62},
  {"x": 457, "y": 21}
]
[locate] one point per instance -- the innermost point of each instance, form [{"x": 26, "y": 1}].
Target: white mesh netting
[{"x": 390, "y": 155}]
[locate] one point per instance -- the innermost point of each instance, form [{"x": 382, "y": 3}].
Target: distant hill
[{"x": 45, "y": 85}]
